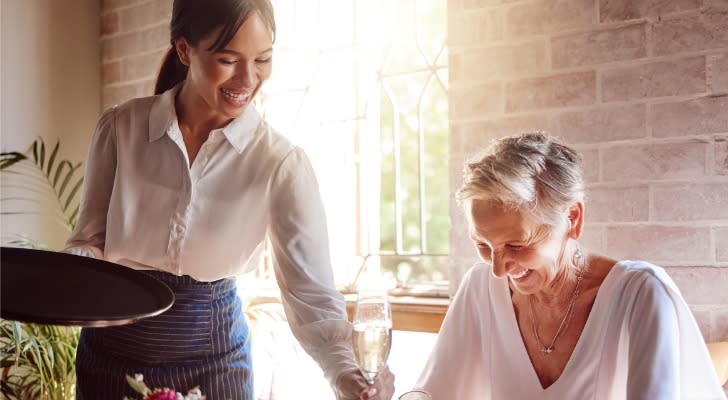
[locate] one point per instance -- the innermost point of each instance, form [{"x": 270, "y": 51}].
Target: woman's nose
[
  {"x": 501, "y": 265},
  {"x": 246, "y": 75}
]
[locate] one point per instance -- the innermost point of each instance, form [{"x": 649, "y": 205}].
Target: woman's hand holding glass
[
  {"x": 372, "y": 336},
  {"x": 371, "y": 342}
]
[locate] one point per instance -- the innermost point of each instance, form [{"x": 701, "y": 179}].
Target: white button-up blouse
[{"x": 143, "y": 206}]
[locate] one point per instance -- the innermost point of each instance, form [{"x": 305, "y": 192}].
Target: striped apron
[{"x": 201, "y": 341}]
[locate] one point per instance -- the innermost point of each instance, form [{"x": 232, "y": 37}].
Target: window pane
[{"x": 362, "y": 87}]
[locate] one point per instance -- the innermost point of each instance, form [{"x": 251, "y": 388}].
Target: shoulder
[
  {"x": 286, "y": 158},
  {"x": 641, "y": 275},
  {"x": 271, "y": 141},
  {"x": 477, "y": 283},
  {"x": 133, "y": 107},
  {"x": 638, "y": 286},
  {"x": 119, "y": 117},
  {"x": 479, "y": 274}
]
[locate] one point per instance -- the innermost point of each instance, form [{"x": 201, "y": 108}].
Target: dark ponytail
[
  {"x": 195, "y": 19},
  {"x": 171, "y": 72}
]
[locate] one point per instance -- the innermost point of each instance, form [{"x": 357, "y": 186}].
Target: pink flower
[{"x": 162, "y": 394}]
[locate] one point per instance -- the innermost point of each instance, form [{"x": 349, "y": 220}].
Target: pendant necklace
[{"x": 546, "y": 350}]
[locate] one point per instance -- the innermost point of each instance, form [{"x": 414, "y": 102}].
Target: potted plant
[{"x": 38, "y": 361}]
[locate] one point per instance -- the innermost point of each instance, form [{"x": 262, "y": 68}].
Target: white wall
[{"x": 50, "y": 87}]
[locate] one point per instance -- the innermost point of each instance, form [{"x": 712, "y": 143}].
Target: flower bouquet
[{"x": 137, "y": 383}]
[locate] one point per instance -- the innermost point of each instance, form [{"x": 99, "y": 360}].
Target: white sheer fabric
[{"x": 640, "y": 342}]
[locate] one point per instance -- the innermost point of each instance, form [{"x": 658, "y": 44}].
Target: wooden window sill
[{"x": 415, "y": 314}]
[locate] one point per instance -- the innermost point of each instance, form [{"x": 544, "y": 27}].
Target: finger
[{"x": 370, "y": 394}]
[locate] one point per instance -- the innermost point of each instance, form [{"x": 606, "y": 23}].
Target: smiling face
[
  {"x": 221, "y": 84},
  {"x": 530, "y": 255}
]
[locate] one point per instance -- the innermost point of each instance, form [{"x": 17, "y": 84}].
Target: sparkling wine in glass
[{"x": 372, "y": 337}]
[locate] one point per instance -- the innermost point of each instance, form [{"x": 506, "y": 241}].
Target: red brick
[
  {"x": 572, "y": 89},
  {"x": 476, "y": 100},
  {"x": 142, "y": 66},
  {"x": 721, "y": 155},
  {"x": 704, "y": 317},
  {"x": 146, "y": 88},
  {"x": 721, "y": 244},
  {"x": 664, "y": 78},
  {"x": 462, "y": 28},
  {"x": 718, "y": 73},
  {"x": 473, "y": 4},
  {"x": 139, "y": 42},
  {"x": 617, "y": 204},
  {"x": 119, "y": 94},
  {"x": 715, "y": 5},
  {"x": 664, "y": 245},
  {"x": 701, "y": 285},
  {"x": 654, "y": 161},
  {"x": 490, "y": 27},
  {"x": 548, "y": 16},
  {"x": 606, "y": 45},
  {"x": 501, "y": 62},
  {"x": 110, "y": 72},
  {"x": 151, "y": 13},
  {"x": 455, "y": 175},
  {"x": 603, "y": 124},
  {"x": 591, "y": 238},
  {"x": 624, "y": 10},
  {"x": 456, "y": 68},
  {"x": 469, "y": 137},
  {"x": 691, "y": 202},
  {"x": 109, "y": 23},
  {"x": 590, "y": 165},
  {"x": 475, "y": 28},
  {"x": 691, "y": 33},
  {"x": 701, "y": 116},
  {"x": 719, "y": 333},
  {"x": 107, "y": 5}
]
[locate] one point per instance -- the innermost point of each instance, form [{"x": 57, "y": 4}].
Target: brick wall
[
  {"x": 134, "y": 38},
  {"x": 640, "y": 87}
]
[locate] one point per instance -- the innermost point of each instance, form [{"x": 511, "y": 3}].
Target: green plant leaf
[
  {"x": 53, "y": 158},
  {"x": 138, "y": 385},
  {"x": 66, "y": 180},
  {"x": 42, "y": 155},
  {"x": 72, "y": 195},
  {"x": 35, "y": 151},
  {"x": 73, "y": 219},
  {"x": 10, "y": 158},
  {"x": 38, "y": 361},
  {"x": 59, "y": 170}
]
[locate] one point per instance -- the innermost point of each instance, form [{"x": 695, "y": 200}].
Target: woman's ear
[
  {"x": 183, "y": 49},
  {"x": 576, "y": 220}
]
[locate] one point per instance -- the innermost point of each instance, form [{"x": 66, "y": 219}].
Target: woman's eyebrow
[{"x": 238, "y": 54}]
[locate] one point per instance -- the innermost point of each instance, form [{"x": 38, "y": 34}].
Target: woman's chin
[{"x": 232, "y": 111}]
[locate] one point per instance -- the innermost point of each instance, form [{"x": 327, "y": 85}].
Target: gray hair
[{"x": 531, "y": 172}]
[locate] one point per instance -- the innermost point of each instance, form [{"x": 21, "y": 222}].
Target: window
[{"x": 362, "y": 86}]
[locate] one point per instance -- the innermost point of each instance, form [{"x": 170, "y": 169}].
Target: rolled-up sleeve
[
  {"x": 315, "y": 309},
  {"x": 89, "y": 236}
]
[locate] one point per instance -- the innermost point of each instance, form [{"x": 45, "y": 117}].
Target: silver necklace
[{"x": 546, "y": 350}]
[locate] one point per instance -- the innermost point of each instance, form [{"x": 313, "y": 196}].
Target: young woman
[{"x": 184, "y": 186}]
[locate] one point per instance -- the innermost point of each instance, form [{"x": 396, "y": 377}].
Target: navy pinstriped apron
[{"x": 201, "y": 341}]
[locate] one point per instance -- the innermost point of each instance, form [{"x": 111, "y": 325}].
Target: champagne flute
[
  {"x": 416, "y": 395},
  {"x": 372, "y": 336}
]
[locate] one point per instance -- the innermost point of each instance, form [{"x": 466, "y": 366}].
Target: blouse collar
[{"x": 162, "y": 118}]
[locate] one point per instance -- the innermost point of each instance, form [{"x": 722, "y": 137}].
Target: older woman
[{"x": 546, "y": 319}]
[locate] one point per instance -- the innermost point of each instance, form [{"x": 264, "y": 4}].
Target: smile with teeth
[
  {"x": 235, "y": 96},
  {"x": 521, "y": 274}
]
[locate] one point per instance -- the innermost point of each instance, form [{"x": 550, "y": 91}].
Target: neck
[
  {"x": 559, "y": 293},
  {"x": 194, "y": 115}
]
